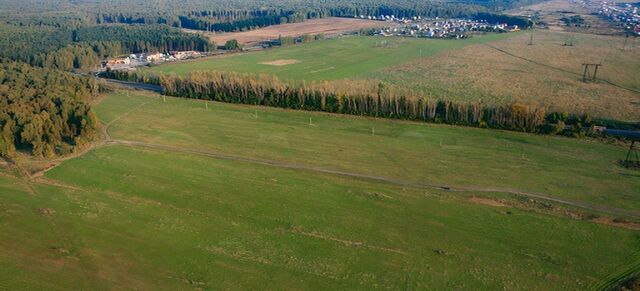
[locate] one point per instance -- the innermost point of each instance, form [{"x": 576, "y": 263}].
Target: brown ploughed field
[{"x": 327, "y": 26}]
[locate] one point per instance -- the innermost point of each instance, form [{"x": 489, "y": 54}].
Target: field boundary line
[
  {"x": 383, "y": 179},
  {"x": 106, "y": 127},
  {"x": 93, "y": 145}
]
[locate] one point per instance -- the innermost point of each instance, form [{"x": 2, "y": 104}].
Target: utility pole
[
  {"x": 533, "y": 19},
  {"x": 630, "y": 155},
  {"x": 626, "y": 37},
  {"x": 595, "y": 72},
  {"x": 588, "y": 74}
]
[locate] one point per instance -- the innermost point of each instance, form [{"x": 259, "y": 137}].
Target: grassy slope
[
  {"x": 183, "y": 221},
  {"x": 139, "y": 219},
  {"x": 329, "y": 59},
  {"x": 569, "y": 168}
]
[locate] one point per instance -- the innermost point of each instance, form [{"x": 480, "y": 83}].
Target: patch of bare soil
[
  {"x": 487, "y": 201},
  {"x": 45, "y": 181},
  {"x": 46, "y": 211},
  {"x": 328, "y": 26},
  {"x": 617, "y": 223},
  {"x": 548, "y": 208},
  {"x": 349, "y": 243},
  {"x": 280, "y": 63}
]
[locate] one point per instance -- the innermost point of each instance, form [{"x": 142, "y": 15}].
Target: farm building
[
  {"x": 154, "y": 57},
  {"x": 184, "y": 54},
  {"x": 118, "y": 62}
]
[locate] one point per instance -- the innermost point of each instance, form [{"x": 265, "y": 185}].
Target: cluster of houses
[
  {"x": 627, "y": 14},
  {"x": 137, "y": 60},
  {"x": 438, "y": 28},
  {"x": 385, "y": 17}
]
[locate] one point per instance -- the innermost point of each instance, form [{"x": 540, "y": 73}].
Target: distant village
[
  {"x": 436, "y": 27},
  {"x": 626, "y": 14},
  {"x": 137, "y": 60}
]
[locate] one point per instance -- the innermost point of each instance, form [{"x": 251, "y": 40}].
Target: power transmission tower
[
  {"x": 626, "y": 37},
  {"x": 632, "y": 156},
  {"x": 533, "y": 20},
  {"x": 590, "y": 72}
]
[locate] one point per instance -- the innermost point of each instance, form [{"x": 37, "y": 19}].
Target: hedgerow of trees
[
  {"x": 365, "y": 99},
  {"x": 231, "y": 44}
]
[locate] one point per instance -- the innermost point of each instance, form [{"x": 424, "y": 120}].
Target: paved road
[{"x": 137, "y": 86}]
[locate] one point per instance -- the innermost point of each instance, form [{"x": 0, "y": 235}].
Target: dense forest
[
  {"x": 85, "y": 47},
  {"x": 218, "y": 15},
  {"x": 44, "y": 111}
]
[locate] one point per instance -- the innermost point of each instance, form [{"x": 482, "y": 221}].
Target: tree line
[
  {"x": 252, "y": 19},
  {"x": 86, "y": 47},
  {"x": 502, "y": 18},
  {"x": 44, "y": 111},
  {"x": 375, "y": 100},
  {"x": 220, "y": 15},
  {"x": 209, "y": 24}
]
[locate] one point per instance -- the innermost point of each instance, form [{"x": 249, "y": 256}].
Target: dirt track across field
[
  {"x": 108, "y": 140},
  {"x": 328, "y": 26},
  {"x": 382, "y": 179}
]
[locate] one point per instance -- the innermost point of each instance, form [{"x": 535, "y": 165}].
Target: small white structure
[
  {"x": 154, "y": 57},
  {"x": 184, "y": 54}
]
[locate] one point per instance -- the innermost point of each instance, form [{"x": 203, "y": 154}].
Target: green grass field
[
  {"x": 331, "y": 59},
  {"x": 130, "y": 217},
  {"x": 437, "y": 154}
]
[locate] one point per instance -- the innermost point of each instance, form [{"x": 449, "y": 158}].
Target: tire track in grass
[
  {"x": 619, "y": 275},
  {"x": 93, "y": 145},
  {"x": 105, "y": 129},
  {"x": 383, "y": 179}
]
